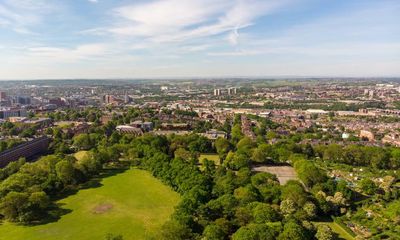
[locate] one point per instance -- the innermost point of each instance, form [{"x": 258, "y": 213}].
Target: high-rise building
[
  {"x": 371, "y": 94},
  {"x": 110, "y": 99},
  {"x": 24, "y": 100},
  {"x": 3, "y": 95},
  {"x": 232, "y": 91},
  {"x": 127, "y": 99},
  {"x": 7, "y": 113},
  {"x": 217, "y": 92}
]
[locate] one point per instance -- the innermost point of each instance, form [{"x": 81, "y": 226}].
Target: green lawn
[
  {"x": 337, "y": 229},
  {"x": 211, "y": 157},
  {"x": 132, "y": 203},
  {"x": 80, "y": 155}
]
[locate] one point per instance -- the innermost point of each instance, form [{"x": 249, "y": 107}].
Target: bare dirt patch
[
  {"x": 284, "y": 173},
  {"x": 102, "y": 208}
]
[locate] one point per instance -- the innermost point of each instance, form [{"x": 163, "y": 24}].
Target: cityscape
[
  {"x": 199, "y": 119},
  {"x": 338, "y": 137}
]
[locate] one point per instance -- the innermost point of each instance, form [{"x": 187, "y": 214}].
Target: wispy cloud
[
  {"x": 70, "y": 54},
  {"x": 365, "y": 32},
  {"x": 21, "y": 15},
  {"x": 177, "y": 21},
  {"x": 198, "y": 37}
]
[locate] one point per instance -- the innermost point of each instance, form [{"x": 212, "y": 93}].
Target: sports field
[
  {"x": 284, "y": 173},
  {"x": 132, "y": 203}
]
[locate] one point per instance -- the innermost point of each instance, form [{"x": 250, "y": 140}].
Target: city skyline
[{"x": 198, "y": 38}]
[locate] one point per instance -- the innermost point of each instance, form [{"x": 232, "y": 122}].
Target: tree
[
  {"x": 264, "y": 153},
  {"x": 89, "y": 165},
  {"x": 65, "y": 172},
  {"x": 185, "y": 155},
  {"x": 309, "y": 151},
  {"x": 294, "y": 191},
  {"x": 200, "y": 144},
  {"x": 245, "y": 144},
  {"x": 23, "y": 207},
  {"x": 222, "y": 146},
  {"x": 244, "y": 233},
  {"x": 293, "y": 231},
  {"x": 213, "y": 232},
  {"x": 236, "y": 133},
  {"x": 245, "y": 194},
  {"x": 111, "y": 236},
  {"x": 264, "y": 213},
  {"x": 27, "y": 133},
  {"x": 83, "y": 142},
  {"x": 173, "y": 230},
  {"x": 268, "y": 186},
  {"x": 288, "y": 207},
  {"x": 368, "y": 186},
  {"x": 324, "y": 232},
  {"x": 395, "y": 159},
  {"x": 309, "y": 173},
  {"x": 255, "y": 232},
  {"x": 236, "y": 161},
  {"x": 38, "y": 202},
  {"x": 333, "y": 152},
  {"x": 310, "y": 209},
  {"x": 13, "y": 205}
]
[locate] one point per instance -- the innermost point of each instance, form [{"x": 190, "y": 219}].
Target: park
[{"x": 131, "y": 203}]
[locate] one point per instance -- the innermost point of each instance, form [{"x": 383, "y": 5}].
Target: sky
[{"x": 62, "y": 39}]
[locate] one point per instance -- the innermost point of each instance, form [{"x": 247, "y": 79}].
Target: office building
[
  {"x": 3, "y": 96},
  {"x": 25, "y": 150},
  {"x": 7, "y": 113},
  {"x": 232, "y": 91}
]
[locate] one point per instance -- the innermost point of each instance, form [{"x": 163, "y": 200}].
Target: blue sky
[{"x": 41, "y": 39}]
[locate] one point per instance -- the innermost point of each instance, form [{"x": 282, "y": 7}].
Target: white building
[{"x": 217, "y": 92}]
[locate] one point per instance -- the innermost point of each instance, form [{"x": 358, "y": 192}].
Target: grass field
[
  {"x": 211, "y": 157},
  {"x": 80, "y": 155},
  {"x": 337, "y": 229},
  {"x": 133, "y": 204}
]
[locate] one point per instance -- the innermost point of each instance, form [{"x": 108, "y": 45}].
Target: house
[
  {"x": 129, "y": 130},
  {"x": 214, "y": 134}
]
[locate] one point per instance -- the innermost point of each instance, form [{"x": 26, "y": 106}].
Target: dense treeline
[
  {"x": 11, "y": 168},
  {"x": 287, "y": 150},
  {"x": 10, "y": 143},
  {"x": 224, "y": 201},
  {"x": 336, "y": 106},
  {"x": 358, "y": 155},
  {"x": 229, "y": 201},
  {"x": 17, "y": 129},
  {"x": 25, "y": 195}
]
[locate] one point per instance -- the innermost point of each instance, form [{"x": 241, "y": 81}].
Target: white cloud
[
  {"x": 176, "y": 21},
  {"x": 21, "y": 15},
  {"x": 165, "y": 17},
  {"x": 233, "y": 37},
  {"x": 93, "y": 1},
  {"x": 327, "y": 50},
  {"x": 70, "y": 54},
  {"x": 195, "y": 48}
]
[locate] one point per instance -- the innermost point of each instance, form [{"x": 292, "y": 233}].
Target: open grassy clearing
[
  {"x": 337, "y": 229},
  {"x": 211, "y": 157},
  {"x": 80, "y": 155},
  {"x": 132, "y": 203}
]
